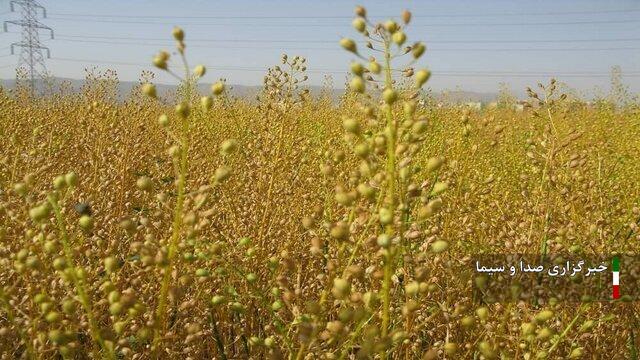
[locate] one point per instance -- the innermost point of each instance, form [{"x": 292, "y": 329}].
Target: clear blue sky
[{"x": 473, "y": 45}]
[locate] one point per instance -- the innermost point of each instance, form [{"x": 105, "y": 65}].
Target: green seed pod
[
  {"x": 237, "y": 307},
  {"x": 434, "y": 163},
  {"x": 374, "y": 67},
  {"x": 417, "y": 50},
  {"x": 217, "y": 88},
  {"x": 399, "y": 37},
  {"x": 57, "y": 337},
  {"x": 341, "y": 288},
  {"x": 206, "y": 103},
  {"x": 269, "y": 342},
  {"x": 277, "y": 305},
  {"x": 389, "y": 96},
  {"x": 144, "y": 183},
  {"x": 39, "y": 213},
  {"x": 20, "y": 189},
  {"x": 252, "y": 278},
  {"x": 482, "y": 313},
  {"x": 419, "y": 127},
  {"x": 357, "y": 69},
  {"x": 467, "y": 321},
  {"x": 384, "y": 241},
  {"x": 245, "y": 241},
  {"x": 362, "y": 150},
  {"x": 202, "y": 272},
  {"x": 68, "y": 306},
  {"x": 40, "y": 298},
  {"x": 116, "y": 308},
  {"x": 163, "y": 120},
  {"x": 86, "y": 223},
  {"x": 71, "y": 179},
  {"x": 528, "y": 328},
  {"x": 544, "y": 333},
  {"x": 217, "y": 300},
  {"x": 386, "y": 216},
  {"x": 577, "y": 352},
  {"x": 544, "y": 316},
  {"x": 348, "y": 45},
  {"x": 340, "y": 231},
  {"x": 53, "y": 317},
  {"x": 59, "y": 182},
  {"x": 391, "y": 26},
  {"x": 359, "y": 24},
  {"x": 439, "y": 188},
  {"x": 366, "y": 191},
  {"x": 199, "y": 71},
  {"x": 183, "y": 109},
  {"x": 255, "y": 341},
  {"x": 59, "y": 263},
  {"x": 412, "y": 288},
  {"x": 439, "y": 246},
  {"x": 178, "y": 33},
  {"x": 119, "y": 327},
  {"x": 228, "y": 146},
  {"x": 149, "y": 90},
  {"x": 487, "y": 350},
  {"x": 422, "y": 76},
  {"x": 357, "y": 84},
  {"x": 587, "y": 325},
  {"x": 222, "y": 174},
  {"x": 450, "y": 348},
  {"x": 351, "y": 125}
]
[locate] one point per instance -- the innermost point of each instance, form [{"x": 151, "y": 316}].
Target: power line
[
  {"x": 519, "y": 41},
  {"x": 623, "y": 11},
  {"x": 586, "y": 22},
  {"x": 341, "y": 50}
]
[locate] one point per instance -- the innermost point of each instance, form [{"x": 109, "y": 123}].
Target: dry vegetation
[{"x": 294, "y": 228}]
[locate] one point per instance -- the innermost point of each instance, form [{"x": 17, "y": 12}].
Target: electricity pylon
[{"x": 31, "y": 57}]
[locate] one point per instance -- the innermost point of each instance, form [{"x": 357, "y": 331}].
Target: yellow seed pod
[
  {"x": 439, "y": 188},
  {"x": 391, "y": 26},
  {"x": 357, "y": 68},
  {"x": 543, "y": 316},
  {"x": 160, "y": 62},
  {"x": 149, "y": 90},
  {"x": 183, "y": 109},
  {"x": 374, "y": 67},
  {"x": 450, "y": 348},
  {"x": 389, "y": 96},
  {"x": 199, "y": 71},
  {"x": 206, "y": 102},
  {"x": 434, "y": 163},
  {"x": 422, "y": 76},
  {"x": 341, "y": 288},
  {"x": 144, "y": 183},
  {"x": 348, "y": 45},
  {"x": 359, "y": 24},
  {"x": 351, "y": 125},
  {"x": 399, "y": 37},
  {"x": 439, "y": 246},
  {"x": 178, "y": 33},
  {"x": 163, "y": 120},
  {"x": 217, "y": 88},
  {"x": 228, "y": 146},
  {"x": 482, "y": 313},
  {"x": 361, "y": 11},
  {"x": 418, "y": 49},
  {"x": 357, "y": 84},
  {"x": 71, "y": 179}
]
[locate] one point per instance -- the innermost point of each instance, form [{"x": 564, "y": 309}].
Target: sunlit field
[{"x": 203, "y": 226}]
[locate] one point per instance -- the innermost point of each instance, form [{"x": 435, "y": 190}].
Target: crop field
[{"x": 292, "y": 226}]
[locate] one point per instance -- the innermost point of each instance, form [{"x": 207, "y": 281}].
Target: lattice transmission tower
[{"x": 31, "y": 58}]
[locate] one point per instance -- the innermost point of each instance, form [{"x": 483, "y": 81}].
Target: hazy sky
[{"x": 472, "y": 44}]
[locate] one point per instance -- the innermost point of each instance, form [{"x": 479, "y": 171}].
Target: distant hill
[{"x": 250, "y": 92}]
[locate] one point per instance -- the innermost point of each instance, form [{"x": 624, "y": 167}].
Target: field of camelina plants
[{"x": 294, "y": 227}]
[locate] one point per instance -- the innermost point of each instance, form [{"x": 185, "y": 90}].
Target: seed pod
[
  {"x": 439, "y": 188},
  {"x": 178, "y": 33},
  {"x": 391, "y": 26},
  {"x": 144, "y": 183},
  {"x": 577, "y": 352},
  {"x": 487, "y": 350},
  {"x": 163, "y": 120},
  {"x": 544, "y": 316},
  {"x": 361, "y": 11},
  {"x": 412, "y": 288},
  {"x": 439, "y": 246},
  {"x": 217, "y": 300},
  {"x": 422, "y": 76},
  {"x": 357, "y": 84},
  {"x": 450, "y": 348},
  {"x": 348, "y": 44},
  {"x": 183, "y": 109},
  {"x": 206, "y": 102},
  {"x": 406, "y": 16},
  {"x": 149, "y": 90},
  {"x": 351, "y": 125},
  {"x": 399, "y": 37},
  {"x": 217, "y": 88},
  {"x": 341, "y": 288},
  {"x": 434, "y": 163},
  {"x": 228, "y": 146},
  {"x": 386, "y": 216},
  {"x": 417, "y": 50},
  {"x": 199, "y": 71},
  {"x": 71, "y": 179},
  {"x": 390, "y": 96},
  {"x": 159, "y": 62},
  {"x": 59, "y": 182},
  {"x": 359, "y": 24},
  {"x": 374, "y": 67},
  {"x": 86, "y": 223},
  {"x": 357, "y": 68},
  {"x": 384, "y": 241},
  {"x": 222, "y": 173}
]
